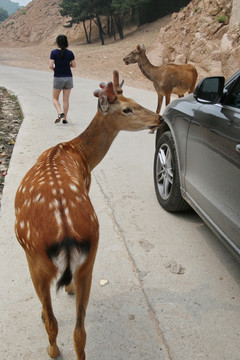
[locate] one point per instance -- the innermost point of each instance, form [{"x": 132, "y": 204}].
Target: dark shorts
[{"x": 60, "y": 83}]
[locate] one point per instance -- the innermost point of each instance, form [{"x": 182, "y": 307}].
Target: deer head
[
  {"x": 123, "y": 113},
  {"x": 133, "y": 56}
]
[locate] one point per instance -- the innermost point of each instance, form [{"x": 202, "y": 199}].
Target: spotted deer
[
  {"x": 55, "y": 221},
  {"x": 167, "y": 79}
]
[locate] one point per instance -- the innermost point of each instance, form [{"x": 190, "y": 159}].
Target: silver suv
[{"x": 197, "y": 157}]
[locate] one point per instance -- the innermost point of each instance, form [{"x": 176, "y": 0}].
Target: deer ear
[
  {"x": 103, "y": 102},
  {"x": 143, "y": 47},
  {"x": 139, "y": 48}
]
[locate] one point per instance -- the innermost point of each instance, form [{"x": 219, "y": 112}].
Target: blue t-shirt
[{"x": 62, "y": 63}]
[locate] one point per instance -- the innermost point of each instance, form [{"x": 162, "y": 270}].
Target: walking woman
[{"x": 61, "y": 62}]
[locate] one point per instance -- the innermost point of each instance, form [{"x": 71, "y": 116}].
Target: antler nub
[
  {"x": 102, "y": 85},
  {"x": 107, "y": 90},
  {"x": 116, "y": 85}
]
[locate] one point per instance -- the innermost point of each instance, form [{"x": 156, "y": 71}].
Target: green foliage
[
  {"x": 116, "y": 11},
  {"x": 3, "y": 14},
  {"x": 151, "y": 10},
  {"x": 125, "y": 5},
  {"x": 222, "y": 19}
]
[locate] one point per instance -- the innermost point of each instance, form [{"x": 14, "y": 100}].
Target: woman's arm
[
  {"x": 51, "y": 64},
  {"x": 73, "y": 63}
]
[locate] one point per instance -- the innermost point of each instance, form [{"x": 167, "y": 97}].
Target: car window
[{"x": 234, "y": 97}]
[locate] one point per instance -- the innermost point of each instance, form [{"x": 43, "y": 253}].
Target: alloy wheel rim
[{"x": 164, "y": 173}]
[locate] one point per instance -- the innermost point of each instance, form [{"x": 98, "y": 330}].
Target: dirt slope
[
  {"x": 205, "y": 33},
  {"x": 38, "y": 22},
  {"x": 200, "y": 34}
]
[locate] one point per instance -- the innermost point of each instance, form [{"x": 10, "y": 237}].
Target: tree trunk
[
  {"x": 86, "y": 33},
  {"x": 100, "y": 29},
  {"x": 109, "y": 26},
  {"x": 113, "y": 28},
  {"x": 90, "y": 31},
  {"x": 119, "y": 24}
]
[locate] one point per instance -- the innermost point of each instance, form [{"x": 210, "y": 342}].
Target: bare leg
[
  {"x": 56, "y": 103},
  {"x": 66, "y": 94}
]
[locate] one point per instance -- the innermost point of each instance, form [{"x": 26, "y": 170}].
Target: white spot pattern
[{"x": 73, "y": 187}]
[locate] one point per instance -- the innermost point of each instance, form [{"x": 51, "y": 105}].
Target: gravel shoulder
[{"x": 11, "y": 118}]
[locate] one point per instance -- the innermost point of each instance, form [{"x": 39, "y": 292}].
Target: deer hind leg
[
  {"x": 42, "y": 281},
  {"x": 82, "y": 291}
]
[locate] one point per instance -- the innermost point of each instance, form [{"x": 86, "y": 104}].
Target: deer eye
[{"x": 127, "y": 110}]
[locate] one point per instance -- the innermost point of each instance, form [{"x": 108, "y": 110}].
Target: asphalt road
[{"x": 147, "y": 311}]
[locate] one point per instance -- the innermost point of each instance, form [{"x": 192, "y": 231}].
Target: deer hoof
[
  {"x": 70, "y": 289},
  {"x": 53, "y": 351}
]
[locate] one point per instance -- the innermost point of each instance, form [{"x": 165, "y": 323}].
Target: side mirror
[{"x": 210, "y": 90}]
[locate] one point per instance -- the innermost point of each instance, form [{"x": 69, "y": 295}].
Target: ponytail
[{"x": 62, "y": 42}]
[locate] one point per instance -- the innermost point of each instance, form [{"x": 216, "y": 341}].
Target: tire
[{"x": 166, "y": 175}]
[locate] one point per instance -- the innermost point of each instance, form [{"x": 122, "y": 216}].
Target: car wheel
[{"x": 166, "y": 175}]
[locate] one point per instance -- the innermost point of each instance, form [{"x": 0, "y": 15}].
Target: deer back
[{"x": 54, "y": 193}]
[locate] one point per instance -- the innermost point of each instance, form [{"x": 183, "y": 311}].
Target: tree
[
  {"x": 94, "y": 10},
  {"x": 151, "y": 10},
  {"x": 79, "y": 11},
  {"x": 119, "y": 9},
  {"x": 3, "y": 14},
  {"x": 84, "y": 10}
]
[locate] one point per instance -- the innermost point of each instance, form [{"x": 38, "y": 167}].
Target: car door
[{"x": 213, "y": 164}]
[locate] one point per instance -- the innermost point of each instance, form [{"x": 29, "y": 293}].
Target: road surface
[{"x": 147, "y": 311}]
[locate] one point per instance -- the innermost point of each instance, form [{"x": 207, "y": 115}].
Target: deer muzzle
[{"x": 155, "y": 127}]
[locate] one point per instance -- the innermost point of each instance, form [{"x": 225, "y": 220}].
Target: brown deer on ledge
[
  {"x": 55, "y": 221},
  {"x": 167, "y": 79}
]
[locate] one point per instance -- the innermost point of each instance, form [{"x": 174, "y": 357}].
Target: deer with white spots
[{"x": 55, "y": 221}]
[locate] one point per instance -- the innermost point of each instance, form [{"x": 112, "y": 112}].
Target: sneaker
[{"x": 60, "y": 117}]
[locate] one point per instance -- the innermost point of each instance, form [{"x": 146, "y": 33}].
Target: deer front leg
[
  {"x": 160, "y": 99},
  {"x": 82, "y": 291},
  {"x": 167, "y": 98}
]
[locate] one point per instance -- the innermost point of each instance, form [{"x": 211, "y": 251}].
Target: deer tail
[{"x": 68, "y": 255}]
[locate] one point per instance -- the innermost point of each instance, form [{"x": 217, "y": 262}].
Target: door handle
[{"x": 238, "y": 148}]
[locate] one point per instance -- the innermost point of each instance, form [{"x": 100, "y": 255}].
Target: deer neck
[
  {"x": 96, "y": 140},
  {"x": 146, "y": 67}
]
